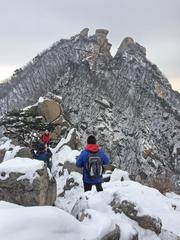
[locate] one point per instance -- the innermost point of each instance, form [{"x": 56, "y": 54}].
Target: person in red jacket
[{"x": 45, "y": 138}]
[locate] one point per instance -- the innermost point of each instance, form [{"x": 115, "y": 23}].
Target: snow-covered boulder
[
  {"x": 141, "y": 212},
  {"x": 71, "y": 182},
  {"x": 26, "y": 182},
  {"x": 130, "y": 210},
  {"x": 167, "y": 235},
  {"x": 45, "y": 222},
  {"x": 120, "y": 175}
]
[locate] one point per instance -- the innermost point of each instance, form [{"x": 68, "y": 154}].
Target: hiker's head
[
  {"x": 41, "y": 147},
  {"x": 46, "y": 131},
  {"x": 91, "y": 140}
]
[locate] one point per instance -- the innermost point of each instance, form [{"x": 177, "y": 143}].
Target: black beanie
[{"x": 91, "y": 140}]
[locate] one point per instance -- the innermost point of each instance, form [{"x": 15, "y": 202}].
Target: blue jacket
[
  {"x": 43, "y": 156},
  {"x": 81, "y": 163}
]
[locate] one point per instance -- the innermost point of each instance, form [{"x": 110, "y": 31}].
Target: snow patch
[
  {"x": 119, "y": 175},
  {"x": 29, "y": 175},
  {"x": 41, "y": 99},
  {"x": 21, "y": 165}
]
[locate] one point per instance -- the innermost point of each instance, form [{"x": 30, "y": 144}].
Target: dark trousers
[{"x": 88, "y": 187}]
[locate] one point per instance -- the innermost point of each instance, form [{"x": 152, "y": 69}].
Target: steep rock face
[
  {"x": 40, "y": 75},
  {"x": 125, "y": 101}
]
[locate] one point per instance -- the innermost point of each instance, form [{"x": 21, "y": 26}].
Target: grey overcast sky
[{"x": 29, "y": 26}]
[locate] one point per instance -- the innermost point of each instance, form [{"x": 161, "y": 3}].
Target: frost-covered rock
[
  {"x": 70, "y": 183},
  {"x": 118, "y": 174},
  {"x": 166, "y": 235},
  {"x": 130, "y": 209},
  {"x": 26, "y": 182},
  {"x": 24, "y": 152}
]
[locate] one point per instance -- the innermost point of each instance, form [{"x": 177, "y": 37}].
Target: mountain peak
[
  {"x": 84, "y": 32},
  {"x": 128, "y": 44}
]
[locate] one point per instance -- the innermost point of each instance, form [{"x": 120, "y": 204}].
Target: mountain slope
[{"x": 125, "y": 100}]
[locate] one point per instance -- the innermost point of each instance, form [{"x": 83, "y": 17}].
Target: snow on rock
[
  {"x": 5, "y": 143},
  {"x": 149, "y": 203},
  {"x": 10, "y": 154},
  {"x": 71, "y": 137},
  {"x": 41, "y": 99},
  {"x": 21, "y": 165},
  {"x": 174, "y": 200},
  {"x": 37, "y": 223},
  {"x": 65, "y": 155},
  {"x": 151, "y": 207},
  {"x": 10, "y": 149},
  {"x": 70, "y": 195},
  {"x": 26, "y": 182},
  {"x": 166, "y": 235},
  {"x": 119, "y": 174},
  {"x": 30, "y": 106}
]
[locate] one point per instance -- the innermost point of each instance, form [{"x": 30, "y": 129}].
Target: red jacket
[
  {"x": 92, "y": 147},
  {"x": 45, "y": 138}
]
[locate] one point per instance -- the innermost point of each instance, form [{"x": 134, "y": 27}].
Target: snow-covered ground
[
  {"x": 148, "y": 201},
  {"x": 45, "y": 223}
]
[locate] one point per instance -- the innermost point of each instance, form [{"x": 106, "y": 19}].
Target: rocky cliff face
[{"x": 125, "y": 100}]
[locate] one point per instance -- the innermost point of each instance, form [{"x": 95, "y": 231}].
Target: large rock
[
  {"x": 24, "y": 152},
  {"x": 26, "y": 182},
  {"x": 84, "y": 32},
  {"x": 50, "y": 110},
  {"x": 129, "y": 44},
  {"x": 130, "y": 209},
  {"x": 70, "y": 183},
  {"x": 72, "y": 140}
]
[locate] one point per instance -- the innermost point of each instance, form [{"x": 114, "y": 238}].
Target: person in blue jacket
[
  {"x": 42, "y": 154},
  {"x": 91, "y": 148}
]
